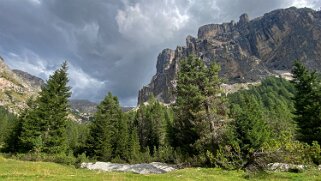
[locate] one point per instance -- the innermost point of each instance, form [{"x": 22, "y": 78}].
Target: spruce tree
[
  {"x": 199, "y": 108},
  {"x": 151, "y": 125},
  {"x": 251, "y": 129},
  {"x": 246, "y": 135},
  {"x": 44, "y": 124},
  {"x": 108, "y": 131},
  {"x": 307, "y": 103},
  {"x": 133, "y": 146}
]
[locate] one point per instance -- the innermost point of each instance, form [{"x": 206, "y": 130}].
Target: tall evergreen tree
[
  {"x": 307, "y": 103},
  {"x": 8, "y": 122},
  {"x": 133, "y": 146},
  {"x": 108, "y": 131},
  {"x": 44, "y": 124},
  {"x": 151, "y": 124},
  {"x": 245, "y": 136},
  {"x": 275, "y": 95},
  {"x": 199, "y": 107}
]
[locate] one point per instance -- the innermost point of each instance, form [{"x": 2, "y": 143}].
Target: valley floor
[{"x": 22, "y": 170}]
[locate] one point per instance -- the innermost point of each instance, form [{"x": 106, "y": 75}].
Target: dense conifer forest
[{"x": 275, "y": 121}]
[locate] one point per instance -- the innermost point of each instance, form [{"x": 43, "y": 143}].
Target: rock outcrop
[
  {"x": 15, "y": 89},
  {"x": 143, "y": 168},
  {"x": 247, "y": 51},
  {"x": 34, "y": 81},
  {"x": 284, "y": 167}
]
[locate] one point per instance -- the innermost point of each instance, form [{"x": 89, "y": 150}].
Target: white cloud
[
  {"x": 115, "y": 40},
  {"x": 82, "y": 83},
  {"x": 30, "y": 62},
  {"x": 151, "y": 22},
  {"x": 305, "y": 3},
  {"x": 36, "y": 2}
]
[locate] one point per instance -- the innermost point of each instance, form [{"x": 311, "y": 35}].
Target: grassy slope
[{"x": 21, "y": 170}]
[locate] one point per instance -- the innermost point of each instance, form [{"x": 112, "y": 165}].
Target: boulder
[{"x": 144, "y": 168}]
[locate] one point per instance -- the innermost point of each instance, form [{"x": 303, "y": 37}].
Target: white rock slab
[{"x": 144, "y": 168}]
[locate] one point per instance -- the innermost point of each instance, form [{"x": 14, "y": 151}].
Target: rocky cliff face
[
  {"x": 34, "y": 81},
  {"x": 15, "y": 90},
  {"x": 247, "y": 51}
]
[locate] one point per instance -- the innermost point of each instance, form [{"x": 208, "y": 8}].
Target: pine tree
[
  {"x": 250, "y": 127},
  {"x": 44, "y": 124},
  {"x": 245, "y": 136},
  {"x": 307, "y": 103},
  {"x": 151, "y": 125},
  {"x": 8, "y": 123},
  {"x": 199, "y": 107},
  {"x": 108, "y": 132},
  {"x": 133, "y": 146}
]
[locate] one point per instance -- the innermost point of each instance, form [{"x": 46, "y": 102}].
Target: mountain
[
  {"x": 84, "y": 106},
  {"x": 16, "y": 89},
  {"x": 84, "y": 110},
  {"x": 247, "y": 51},
  {"x": 31, "y": 79}
]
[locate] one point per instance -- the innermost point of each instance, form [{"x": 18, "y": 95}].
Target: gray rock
[
  {"x": 34, "y": 81},
  {"x": 247, "y": 51},
  {"x": 284, "y": 167},
  {"x": 144, "y": 168}
]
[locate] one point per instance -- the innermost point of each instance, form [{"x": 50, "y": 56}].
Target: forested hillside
[{"x": 274, "y": 121}]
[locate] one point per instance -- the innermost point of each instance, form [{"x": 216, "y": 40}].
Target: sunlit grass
[{"x": 24, "y": 170}]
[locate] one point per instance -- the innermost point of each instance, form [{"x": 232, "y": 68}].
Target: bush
[
  {"x": 61, "y": 158},
  {"x": 117, "y": 159},
  {"x": 81, "y": 159},
  {"x": 164, "y": 154},
  {"x": 314, "y": 152}
]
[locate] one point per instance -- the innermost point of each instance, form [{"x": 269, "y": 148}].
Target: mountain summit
[{"x": 247, "y": 51}]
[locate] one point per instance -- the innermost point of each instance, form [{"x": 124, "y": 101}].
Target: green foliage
[
  {"x": 7, "y": 123},
  {"x": 314, "y": 153},
  {"x": 307, "y": 103},
  {"x": 275, "y": 97},
  {"x": 77, "y": 135},
  {"x": 152, "y": 121},
  {"x": 68, "y": 159},
  {"x": 43, "y": 125},
  {"x": 199, "y": 109},
  {"x": 262, "y": 121},
  {"x": 246, "y": 136},
  {"x": 82, "y": 158},
  {"x": 108, "y": 132},
  {"x": 14, "y": 169},
  {"x": 134, "y": 146}
]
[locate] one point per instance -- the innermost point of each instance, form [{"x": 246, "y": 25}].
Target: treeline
[{"x": 276, "y": 121}]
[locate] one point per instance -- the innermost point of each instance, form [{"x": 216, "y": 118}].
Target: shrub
[{"x": 81, "y": 159}]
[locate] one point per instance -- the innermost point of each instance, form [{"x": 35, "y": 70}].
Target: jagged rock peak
[
  {"x": 244, "y": 19},
  {"x": 247, "y": 51},
  {"x": 212, "y": 30},
  {"x": 164, "y": 59}
]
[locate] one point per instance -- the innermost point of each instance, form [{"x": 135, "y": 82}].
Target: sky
[{"x": 111, "y": 45}]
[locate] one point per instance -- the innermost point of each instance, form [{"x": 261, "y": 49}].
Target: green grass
[{"x": 24, "y": 170}]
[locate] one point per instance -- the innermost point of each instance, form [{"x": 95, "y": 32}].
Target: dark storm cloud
[{"x": 110, "y": 45}]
